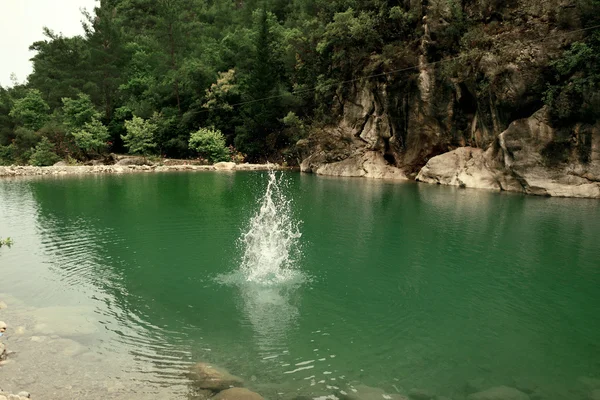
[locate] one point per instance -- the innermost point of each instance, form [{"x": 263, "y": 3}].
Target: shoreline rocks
[
  {"x": 529, "y": 157},
  {"x": 61, "y": 170}
]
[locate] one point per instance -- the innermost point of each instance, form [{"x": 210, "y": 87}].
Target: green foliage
[
  {"x": 79, "y": 111},
  {"x": 31, "y": 111},
  {"x": 260, "y": 71},
  {"x": 7, "y": 156},
  {"x": 574, "y": 92},
  {"x": 43, "y": 154},
  {"x": 210, "y": 144},
  {"x": 92, "y": 137},
  {"x": 6, "y": 242},
  {"x": 140, "y": 135}
]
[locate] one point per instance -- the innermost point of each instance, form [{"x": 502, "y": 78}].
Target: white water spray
[{"x": 271, "y": 244}]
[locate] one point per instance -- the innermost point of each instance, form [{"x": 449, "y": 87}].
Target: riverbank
[{"x": 58, "y": 170}]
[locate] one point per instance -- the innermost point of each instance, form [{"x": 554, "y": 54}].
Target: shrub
[
  {"x": 43, "y": 154},
  {"x": 92, "y": 138},
  {"x": 7, "y": 155},
  {"x": 210, "y": 144},
  {"x": 140, "y": 135}
]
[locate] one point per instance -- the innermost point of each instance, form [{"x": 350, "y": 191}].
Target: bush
[
  {"x": 43, "y": 154},
  {"x": 210, "y": 144},
  {"x": 140, "y": 135},
  {"x": 92, "y": 138},
  {"x": 7, "y": 155}
]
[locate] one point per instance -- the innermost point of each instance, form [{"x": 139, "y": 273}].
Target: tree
[
  {"x": 31, "y": 111},
  {"x": 43, "y": 154},
  {"x": 61, "y": 68},
  {"x": 82, "y": 121},
  {"x": 79, "y": 111},
  {"x": 140, "y": 136},
  {"x": 92, "y": 138},
  {"x": 210, "y": 144}
]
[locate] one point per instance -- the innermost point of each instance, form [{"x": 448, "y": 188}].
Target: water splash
[{"x": 271, "y": 243}]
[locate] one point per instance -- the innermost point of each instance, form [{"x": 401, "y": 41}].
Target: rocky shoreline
[{"x": 60, "y": 170}]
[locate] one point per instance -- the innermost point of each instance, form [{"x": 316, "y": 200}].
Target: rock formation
[{"x": 477, "y": 120}]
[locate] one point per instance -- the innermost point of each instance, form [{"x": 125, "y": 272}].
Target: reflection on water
[{"x": 270, "y": 312}]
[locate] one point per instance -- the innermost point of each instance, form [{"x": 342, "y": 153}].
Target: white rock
[
  {"x": 224, "y": 166},
  {"x": 371, "y": 164}
]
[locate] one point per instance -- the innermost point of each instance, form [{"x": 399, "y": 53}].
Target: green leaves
[
  {"x": 210, "y": 144},
  {"x": 43, "y": 154},
  {"x": 79, "y": 111},
  {"x": 140, "y": 136},
  {"x": 31, "y": 111},
  {"x": 92, "y": 137}
]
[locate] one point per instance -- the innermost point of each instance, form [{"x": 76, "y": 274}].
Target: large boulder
[
  {"x": 207, "y": 376},
  {"x": 224, "y": 166},
  {"x": 368, "y": 165},
  {"x": 464, "y": 167},
  {"x": 238, "y": 394},
  {"x": 499, "y": 393},
  {"x": 126, "y": 161}
]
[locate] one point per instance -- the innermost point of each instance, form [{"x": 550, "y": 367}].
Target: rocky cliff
[{"x": 476, "y": 119}]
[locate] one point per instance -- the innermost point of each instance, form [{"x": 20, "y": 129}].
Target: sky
[{"x": 21, "y": 23}]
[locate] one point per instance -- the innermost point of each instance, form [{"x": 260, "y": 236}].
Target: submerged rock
[
  {"x": 3, "y": 305},
  {"x": 588, "y": 383},
  {"x": 420, "y": 394},
  {"x": 525, "y": 385},
  {"x": 499, "y": 393},
  {"x": 474, "y": 385},
  {"x": 363, "y": 392},
  {"x": 238, "y": 394},
  {"x": 206, "y": 376}
]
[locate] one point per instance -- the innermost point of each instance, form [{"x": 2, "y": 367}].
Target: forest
[{"x": 243, "y": 79}]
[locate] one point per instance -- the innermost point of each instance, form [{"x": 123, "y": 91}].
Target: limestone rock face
[
  {"x": 206, "y": 376},
  {"x": 499, "y": 393},
  {"x": 494, "y": 104},
  {"x": 238, "y": 394},
  {"x": 529, "y": 157}
]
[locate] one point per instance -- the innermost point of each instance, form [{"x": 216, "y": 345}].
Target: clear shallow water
[{"x": 407, "y": 285}]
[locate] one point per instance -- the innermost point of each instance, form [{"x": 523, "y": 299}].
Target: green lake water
[{"x": 405, "y": 285}]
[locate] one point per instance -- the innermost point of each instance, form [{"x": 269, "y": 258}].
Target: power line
[{"x": 392, "y": 72}]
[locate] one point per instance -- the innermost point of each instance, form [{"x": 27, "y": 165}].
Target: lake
[{"x": 120, "y": 283}]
